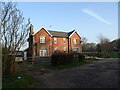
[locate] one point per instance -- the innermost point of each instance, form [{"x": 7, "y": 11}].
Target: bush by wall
[{"x": 64, "y": 58}]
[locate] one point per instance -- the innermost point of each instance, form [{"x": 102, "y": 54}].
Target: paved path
[{"x": 98, "y": 74}]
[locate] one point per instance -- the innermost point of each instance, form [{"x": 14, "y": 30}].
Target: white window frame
[
  {"x": 75, "y": 41},
  {"x": 43, "y": 52},
  {"x": 55, "y": 49},
  {"x": 64, "y": 40},
  {"x": 55, "y": 40},
  {"x": 42, "y": 39},
  {"x": 64, "y": 49},
  {"x": 76, "y": 49}
]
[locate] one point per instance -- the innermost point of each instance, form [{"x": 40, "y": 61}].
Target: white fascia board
[
  {"x": 45, "y": 30},
  {"x": 36, "y": 31},
  {"x": 72, "y": 34},
  {"x": 48, "y": 33}
]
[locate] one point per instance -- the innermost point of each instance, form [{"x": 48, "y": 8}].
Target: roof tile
[{"x": 60, "y": 34}]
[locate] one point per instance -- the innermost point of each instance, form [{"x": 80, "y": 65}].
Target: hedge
[{"x": 65, "y": 58}]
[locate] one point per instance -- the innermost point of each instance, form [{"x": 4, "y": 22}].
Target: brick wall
[
  {"x": 78, "y": 45},
  {"x": 46, "y": 45},
  {"x": 49, "y": 43},
  {"x": 60, "y": 45}
]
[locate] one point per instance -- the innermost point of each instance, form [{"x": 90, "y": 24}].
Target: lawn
[{"x": 17, "y": 81}]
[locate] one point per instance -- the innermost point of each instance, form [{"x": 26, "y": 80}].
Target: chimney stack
[{"x": 31, "y": 29}]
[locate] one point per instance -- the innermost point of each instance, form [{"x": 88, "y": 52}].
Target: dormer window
[
  {"x": 75, "y": 41},
  {"x": 55, "y": 40},
  {"x": 42, "y": 39}
]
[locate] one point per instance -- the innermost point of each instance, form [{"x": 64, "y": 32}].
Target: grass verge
[
  {"x": 73, "y": 64},
  {"x": 17, "y": 81},
  {"x": 90, "y": 59},
  {"x": 113, "y": 56}
]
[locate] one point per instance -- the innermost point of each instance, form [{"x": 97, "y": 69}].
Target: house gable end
[
  {"x": 44, "y": 30},
  {"x": 73, "y": 34}
]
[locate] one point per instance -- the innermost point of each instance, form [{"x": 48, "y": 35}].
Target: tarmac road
[{"x": 98, "y": 74}]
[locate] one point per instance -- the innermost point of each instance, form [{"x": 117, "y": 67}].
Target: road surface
[{"x": 98, "y": 74}]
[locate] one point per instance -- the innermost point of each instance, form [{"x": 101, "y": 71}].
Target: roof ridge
[{"x": 58, "y": 31}]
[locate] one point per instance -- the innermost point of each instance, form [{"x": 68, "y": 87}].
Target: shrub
[
  {"x": 64, "y": 58},
  {"x": 60, "y": 59},
  {"x": 78, "y": 57},
  {"x": 81, "y": 57}
]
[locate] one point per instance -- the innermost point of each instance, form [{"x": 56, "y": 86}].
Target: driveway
[{"x": 98, "y": 74}]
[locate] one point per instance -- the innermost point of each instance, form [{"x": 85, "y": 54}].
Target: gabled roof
[
  {"x": 58, "y": 34},
  {"x": 44, "y": 29},
  {"x": 70, "y": 32}
]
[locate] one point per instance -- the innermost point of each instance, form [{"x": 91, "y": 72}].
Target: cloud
[{"x": 89, "y": 12}]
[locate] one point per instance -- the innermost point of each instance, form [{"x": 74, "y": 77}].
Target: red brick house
[{"x": 46, "y": 42}]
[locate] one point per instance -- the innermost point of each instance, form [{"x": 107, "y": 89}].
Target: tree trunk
[{"x": 8, "y": 66}]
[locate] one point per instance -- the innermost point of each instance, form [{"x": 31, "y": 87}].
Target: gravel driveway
[{"x": 98, "y": 74}]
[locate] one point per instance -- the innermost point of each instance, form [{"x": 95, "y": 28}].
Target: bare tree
[
  {"x": 14, "y": 31},
  {"x": 104, "y": 45},
  {"x": 84, "y": 41}
]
